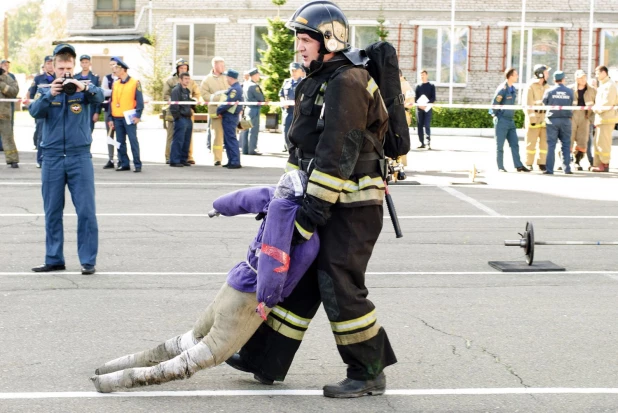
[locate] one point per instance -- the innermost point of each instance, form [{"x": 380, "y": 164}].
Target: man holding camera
[
  {"x": 64, "y": 109},
  {"x": 8, "y": 90},
  {"x": 126, "y": 96}
]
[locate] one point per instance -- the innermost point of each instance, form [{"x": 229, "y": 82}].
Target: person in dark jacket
[
  {"x": 423, "y": 116},
  {"x": 67, "y": 161},
  {"x": 338, "y": 114},
  {"x": 183, "y": 126}
]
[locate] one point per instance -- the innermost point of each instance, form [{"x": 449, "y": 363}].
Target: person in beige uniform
[
  {"x": 182, "y": 66},
  {"x": 585, "y": 95},
  {"x": 604, "y": 120},
  {"x": 536, "y": 131},
  {"x": 213, "y": 88}
]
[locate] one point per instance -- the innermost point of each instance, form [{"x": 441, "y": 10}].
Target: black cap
[{"x": 84, "y": 56}]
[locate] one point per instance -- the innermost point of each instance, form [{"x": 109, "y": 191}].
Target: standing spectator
[
  {"x": 605, "y": 120},
  {"x": 287, "y": 93},
  {"x": 6, "y": 66},
  {"x": 423, "y": 117},
  {"x": 8, "y": 90},
  {"x": 212, "y": 88},
  {"x": 536, "y": 131},
  {"x": 45, "y": 78},
  {"x": 67, "y": 162},
  {"x": 126, "y": 96},
  {"x": 584, "y": 95},
  {"x": 182, "y": 66},
  {"x": 504, "y": 126},
  {"x": 108, "y": 82},
  {"x": 253, "y": 93},
  {"x": 558, "y": 123},
  {"x": 229, "y": 115},
  {"x": 183, "y": 127},
  {"x": 86, "y": 74}
]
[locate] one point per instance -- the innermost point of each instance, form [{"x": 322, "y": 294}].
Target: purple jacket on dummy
[{"x": 274, "y": 266}]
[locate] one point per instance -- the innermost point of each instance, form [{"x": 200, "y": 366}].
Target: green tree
[
  {"x": 381, "y": 30},
  {"x": 277, "y": 57},
  {"x": 154, "y": 73}
]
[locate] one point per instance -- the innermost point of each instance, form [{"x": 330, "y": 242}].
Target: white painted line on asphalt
[
  {"x": 469, "y": 200},
  {"x": 555, "y": 217},
  {"x": 191, "y": 183},
  {"x": 268, "y": 393},
  {"x": 608, "y": 273}
]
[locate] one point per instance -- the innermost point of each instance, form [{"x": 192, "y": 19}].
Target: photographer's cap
[
  {"x": 65, "y": 48},
  {"x": 84, "y": 56},
  {"x": 558, "y": 75},
  {"x": 48, "y": 59},
  {"x": 5, "y": 61},
  {"x": 120, "y": 63},
  {"x": 231, "y": 73}
]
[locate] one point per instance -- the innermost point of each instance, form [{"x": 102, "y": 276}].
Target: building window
[
  {"x": 258, "y": 44},
  {"x": 114, "y": 14},
  {"x": 541, "y": 46},
  {"x": 609, "y": 49},
  {"x": 363, "y": 36},
  {"x": 196, "y": 44},
  {"x": 435, "y": 56}
]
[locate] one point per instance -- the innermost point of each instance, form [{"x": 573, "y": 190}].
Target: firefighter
[
  {"x": 337, "y": 114},
  {"x": 584, "y": 95},
  {"x": 605, "y": 120},
  {"x": 536, "y": 130}
]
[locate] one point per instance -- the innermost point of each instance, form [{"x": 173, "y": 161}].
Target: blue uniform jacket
[
  {"x": 288, "y": 91},
  {"x": 94, "y": 80},
  {"x": 234, "y": 94},
  {"x": 254, "y": 94},
  {"x": 66, "y": 126},
  {"x": 559, "y": 95},
  {"x": 504, "y": 95},
  {"x": 43, "y": 79}
]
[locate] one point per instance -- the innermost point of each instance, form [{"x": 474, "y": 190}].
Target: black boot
[
  {"x": 349, "y": 388},
  {"x": 239, "y": 364}
]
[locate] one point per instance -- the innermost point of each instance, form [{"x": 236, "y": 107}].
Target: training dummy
[{"x": 271, "y": 271}]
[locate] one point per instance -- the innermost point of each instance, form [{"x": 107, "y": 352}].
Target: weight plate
[{"x": 529, "y": 235}]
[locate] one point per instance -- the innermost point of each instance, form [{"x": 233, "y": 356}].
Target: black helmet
[
  {"x": 326, "y": 19},
  {"x": 539, "y": 71},
  {"x": 181, "y": 62}
]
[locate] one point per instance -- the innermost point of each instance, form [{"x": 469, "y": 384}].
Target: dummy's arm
[{"x": 244, "y": 201}]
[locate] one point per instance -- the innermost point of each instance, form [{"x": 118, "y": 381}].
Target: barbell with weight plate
[{"x": 527, "y": 242}]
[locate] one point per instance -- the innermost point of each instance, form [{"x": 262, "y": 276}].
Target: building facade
[{"x": 487, "y": 36}]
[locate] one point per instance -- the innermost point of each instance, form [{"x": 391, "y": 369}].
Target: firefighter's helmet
[{"x": 325, "y": 18}]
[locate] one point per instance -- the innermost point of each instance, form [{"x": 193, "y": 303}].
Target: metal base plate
[
  {"x": 406, "y": 182},
  {"x": 521, "y": 266}
]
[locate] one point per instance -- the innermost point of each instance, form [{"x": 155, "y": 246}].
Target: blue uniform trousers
[
  {"x": 122, "y": 130},
  {"x": 286, "y": 127},
  {"x": 38, "y": 136},
  {"x": 559, "y": 130},
  {"x": 230, "y": 122},
  {"x": 505, "y": 130},
  {"x": 76, "y": 172},
  {"x": 179, "y": 153},
  {"x": 589, "y": 151},
  {"x": 423, "y": 123},
  {"x": 249, "y": 138}
]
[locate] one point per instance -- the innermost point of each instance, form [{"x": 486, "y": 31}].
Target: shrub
[{"x": 464, "y": 118}]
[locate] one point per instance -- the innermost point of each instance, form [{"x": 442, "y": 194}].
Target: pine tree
[{"x": 276, "y": 58}]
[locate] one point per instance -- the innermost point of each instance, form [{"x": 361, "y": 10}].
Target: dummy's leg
[{"x": 235, "y": 320}]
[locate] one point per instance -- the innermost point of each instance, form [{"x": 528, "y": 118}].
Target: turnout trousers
[
  {"x": 536, "y": 135},
  {"x": 337, "y": 279},
  {"x": 580, "y": 131},
  {"x": 216, "y": 128},
  {"x": 76, "y": 172},
  {"x": 8, "y": 142},
  {"x": 603, "y": 143}
]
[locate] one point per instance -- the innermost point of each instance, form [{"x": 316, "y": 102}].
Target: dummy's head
[{"x": 292, "y": 185}]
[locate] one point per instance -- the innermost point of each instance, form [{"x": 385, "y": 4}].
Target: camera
[{"x": 68, "y": 88}]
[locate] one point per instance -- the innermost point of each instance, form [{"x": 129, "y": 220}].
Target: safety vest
[{"x": 123, "y": 97}]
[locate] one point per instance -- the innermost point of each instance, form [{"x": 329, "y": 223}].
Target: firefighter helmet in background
[
  {"x": 326, "y": 18},
  {"x": 181, "y": 62},
  {"x": 539, "y": 71}
]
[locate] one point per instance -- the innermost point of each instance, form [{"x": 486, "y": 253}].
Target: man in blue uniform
[
  {"x": 558, "y": 123},
  {"x": 46, "y": 78},
  {"x": 253, "y": 93},
  {"x": 86, "y": 74},
  {"x": 230, "y": 116},
  {"x": 67, "y": 161},
  {"x": 287, "y": 93},
  {"x": 504, "y": 125}
]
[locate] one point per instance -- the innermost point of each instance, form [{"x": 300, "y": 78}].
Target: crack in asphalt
[
  {"x": 66, "y": 279},
  {"x": 484, "y": 350}
]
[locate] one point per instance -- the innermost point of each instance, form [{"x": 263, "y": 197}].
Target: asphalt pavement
[{"x": 468, "y": 338}]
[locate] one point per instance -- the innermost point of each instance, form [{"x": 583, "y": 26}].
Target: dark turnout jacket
[{"x": 353, "y": 108}]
